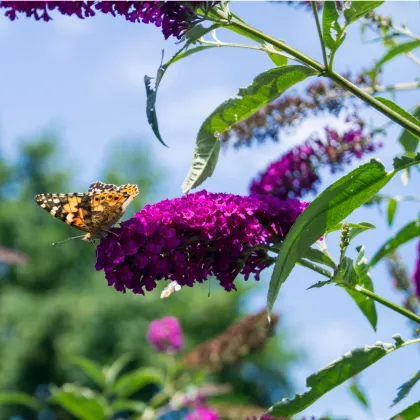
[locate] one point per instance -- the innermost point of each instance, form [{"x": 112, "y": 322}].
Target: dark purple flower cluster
[
  {"x": 296, "y": 172},
  {"x": 416, "y": 276},
  {"x": 190, "y": 238},
  {"x": 175, "y": 18},
  {"x": 165, "y": 335}
]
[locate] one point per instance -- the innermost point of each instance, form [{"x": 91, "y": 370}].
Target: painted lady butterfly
[{"x": 94, "y": 212}]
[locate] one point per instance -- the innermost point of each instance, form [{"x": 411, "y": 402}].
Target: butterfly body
[{"x": 94, "y": 212}]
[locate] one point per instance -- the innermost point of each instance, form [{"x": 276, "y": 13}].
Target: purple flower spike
[
  {"x": 203, "y": 413},
  {"x": 296, "y": 172},
  {"x": 416, "y": 276},
  {"x": 190, "y": 238},
  {"x": 165, "y": 335},
  {"x": 174, "y": 18}
]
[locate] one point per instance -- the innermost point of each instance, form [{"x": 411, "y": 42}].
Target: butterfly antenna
[{"x": 68, "y": 239}]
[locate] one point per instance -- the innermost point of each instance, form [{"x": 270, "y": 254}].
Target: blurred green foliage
[{"x": 58, "y": 306}]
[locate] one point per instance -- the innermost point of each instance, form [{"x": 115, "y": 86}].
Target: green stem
[
  {"x": 389, "y": 304},
  {"x": 314, "y": 267},
  {"x": 318, "y": 27},
  {"x": 242, "y": 27}
]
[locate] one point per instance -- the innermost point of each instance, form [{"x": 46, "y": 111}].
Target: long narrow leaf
[
  {"x": 328, "y": 209},
  {"x": 265, "y": 88}
]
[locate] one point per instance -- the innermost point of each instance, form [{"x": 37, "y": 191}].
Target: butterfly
[{"x": 94, "y": 212}]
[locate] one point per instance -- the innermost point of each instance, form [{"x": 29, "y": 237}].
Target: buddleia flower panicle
[
  {"x": 296, "y": 173},
  {"x": 191, "y": 238},
  {"x": 416, "y": 276},
  {"x": 165, "y": 335},
  {"x": 244, "y": 337},
  {"x": 174, "y": 18}
]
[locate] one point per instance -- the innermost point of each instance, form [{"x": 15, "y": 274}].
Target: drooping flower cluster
[
  {"x": 289, "y": 110},
  {"x": 296, "y": 172},
  {"x": 165, "y": 335},
  {"x": 245, "y": 336},
  {"x": 416, "y": 276},
  {"x": 190, "y": 238},
  {"x": 175, "y": 18},
  {"x": 203, "y": 413}
]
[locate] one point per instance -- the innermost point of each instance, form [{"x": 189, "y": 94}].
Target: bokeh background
[{"x": 72, "y": 111}]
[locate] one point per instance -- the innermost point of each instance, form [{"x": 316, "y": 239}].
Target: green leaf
[
  {"x": 405, "y": 388},
  {"x": 397, "y": 50},
  {"x": 358, "y": 9},
  {"x": 115, "y": 369},
  {"x": 90, "y": 368},
  {"x": 128, "y": 405},
  {"x": 82, "y": 403},
  {"x": 396, "y": 108},
  {"x": 132, "y": 382},
  {"x": 330, "y": 377},
  {"x": 330, "y": 25},
  {"x": 359, "y": 394},
  {"x": 356, "y": 227},
  {"x": 277, "y": 59},
  {"x": 405, "y": 234},
  {"x": 345, "y": 274},
  {"x": 317, "y": 256},
  {"x": 410, "y": 413},
  {"x": 329, "y": 208},
  {"x": 408, "y": 140},
  {"x": 151, "y": 93},
  {"x": 392, "y": 208},
  {"x": 319, "y": 284},
  {"x": 20, "y": 398},
  {"x": 356, "y": 230},
  {"x": 264, "y": 89},
  {"x": 403, "y": 162},
  {"x": 365, "y": 303}
]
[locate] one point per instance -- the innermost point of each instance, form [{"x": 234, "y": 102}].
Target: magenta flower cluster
[
  {"x": 203, "y": 413},
  {"x": 190, "y": 238},
  {"x": 175, "y": 18},
  {"x": 296, "y": 172},
  {"x": 165, "y": 335},
  {"x": 416, "y": 276}
]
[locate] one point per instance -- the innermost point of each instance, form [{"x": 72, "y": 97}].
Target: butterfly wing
[
  {"x": 70, "y": 208},
  {"x": 108, "y": 205}
]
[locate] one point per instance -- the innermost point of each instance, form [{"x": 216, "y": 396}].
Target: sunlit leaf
[
  {"x": 128, "y": 405},
  {"x": 406, "y": 233},
  {"x": 397, "y": 50},
  {"x": 319, "y": 257},
  {"x": 330, "y": 377},
  {"x": 116, "y": 368},
  {"x": 264, "y": 89},
  {"x": 392, "y": 208},
  {"x": 330, "y": 25},
  {"x": 401, "y": 162},
  {"x": 329, "y": 208},
  {"x": 410, "y": 413},
  {"x": 358, "y": 9},
  {"x": 408, "y": 140},
  {"x": 359, "y": 394}
]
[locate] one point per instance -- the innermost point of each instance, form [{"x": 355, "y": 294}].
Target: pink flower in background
[
  {"x": 203, "y": 413},
  {"x": 165, "y": 335}
]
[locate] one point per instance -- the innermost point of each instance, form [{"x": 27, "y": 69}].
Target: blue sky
[{"x": 84, "y": 80}]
